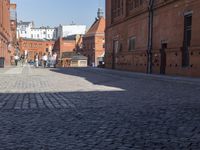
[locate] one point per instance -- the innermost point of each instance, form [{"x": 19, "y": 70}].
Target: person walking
[
  {"x": 44, "y": 59},
  {"x": 16, "y": 57},
  {"x": 54, "y": 59},
  {"x": 22, "y": 59},
  {"x": 36, "y": 60},
  {"x": 49, "y": 60}
]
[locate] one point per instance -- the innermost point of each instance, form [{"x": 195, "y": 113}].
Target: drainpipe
[{"x": 150, "y": 37}]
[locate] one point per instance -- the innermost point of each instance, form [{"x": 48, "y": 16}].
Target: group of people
[
  {"x": 18, "y": 59},
  {"x": 46, "y": 60}
]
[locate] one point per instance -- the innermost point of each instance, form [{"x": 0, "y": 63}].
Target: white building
[
  {"x": 24, "y": 29},
  {"x": 67, "y": 30},
  {"x": 43, "y": 33},
  {"x": 28, "y": 30}
]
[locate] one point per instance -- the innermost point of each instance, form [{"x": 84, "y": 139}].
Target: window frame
[{"x": 131, "y": 47}]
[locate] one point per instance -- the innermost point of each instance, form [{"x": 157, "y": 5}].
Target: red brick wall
[
  {"x": 168, "y": 26},
  {"x": 62, "y": 45},
  {"x": 99, "y": 46},
  {"x": 93, "y": 48},
  {"x": 5, "y": 36},
  {"x": 35, "y": 46},
  {"x": 88, "y": 49}
]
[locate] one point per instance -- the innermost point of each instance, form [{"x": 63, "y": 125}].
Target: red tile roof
[{"x": 97, "y": 27}]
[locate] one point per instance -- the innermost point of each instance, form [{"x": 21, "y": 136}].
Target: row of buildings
[
  {"x": 149, "y": 36},
  {"x": 27, "y": 30},
  {"x": 67, "y": 41},
  {"x": 8, "y": 27},
  {"x": 153, "y": 36}
]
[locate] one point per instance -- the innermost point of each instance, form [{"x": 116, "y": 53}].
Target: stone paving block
[{"x": 91, "y": 109}]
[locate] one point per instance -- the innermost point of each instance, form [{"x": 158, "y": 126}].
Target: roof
[
  {"x": 79, "y": 57},
  {"x": 30, "y": 39},
  {"x": 70, "y": 37},
  {"x": 23, "y": 23},
  {"x": 68, "y": 54},
  {"x": 73, "y": 56},
  {"x": 48, "y": 28},
  {"x": 97, "y": 27}
]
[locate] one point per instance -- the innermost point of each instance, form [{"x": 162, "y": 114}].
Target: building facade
[
  {"x": 155, "y": 36},
  {"x": 94, "y": 40},
  {"x": 13, "y": 46},
  {"x": 7, "y": 33},
  {"x": 24, "y": 29},
  {"x": 67, "y": 48},
  {"x": 28, "y": 30},
  {"x": 32, "y": 46},
  {"x": 70, "y": 30},
  {"x": 67, "y": 44}
]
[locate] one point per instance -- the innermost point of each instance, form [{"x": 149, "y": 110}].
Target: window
[
  {"x": 116, "y": 46},
  {"x": 131, "y": 43},
  {"x": 38, "y": 35},
  {"x": 132, "y": 4},
  {"x": 187, "y": 39},
  {"x": 31, "y": 35},
  {"x": 117, "y": 8}
]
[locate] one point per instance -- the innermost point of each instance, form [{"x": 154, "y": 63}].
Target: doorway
[
  {"x": 187, "y": 39},
  {"x": 163, "y": 58},
  {"x": 115, "y": 50}
]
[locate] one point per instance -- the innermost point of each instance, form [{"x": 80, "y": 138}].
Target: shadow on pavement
[
  {"x": 97, "y": 120},
  {"x": 145, "y": 114}
]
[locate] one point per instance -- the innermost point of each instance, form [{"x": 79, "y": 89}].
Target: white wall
[
  {"x": 43, "y": 33},
  {"x": 28, "y": 31},
  {"x": 67, "y": 30}
]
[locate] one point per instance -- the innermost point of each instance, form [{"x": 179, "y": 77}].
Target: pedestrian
[
  {"x": 16, "y": 57},
  {"x": 54, "y": 59},
  {"x": 44, "y": 59},
  {"x": 22, "y": 59},
  {"x": 36, "y": 60},
  {"x": 49, "y": 57}
]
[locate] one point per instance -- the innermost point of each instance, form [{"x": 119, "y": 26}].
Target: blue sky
[{"x": 55, "y": 12}]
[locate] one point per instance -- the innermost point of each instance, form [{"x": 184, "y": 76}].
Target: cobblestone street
[{"x": 97, "y": 109}]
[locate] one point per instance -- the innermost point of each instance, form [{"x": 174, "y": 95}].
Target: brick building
[
  {"x": 33, "y": 46},
  {"x": 93, "y": 41},
  {"x": 62, "y": 45},
  {"x": 13, "y": 46},
  {"x": 66, "y": 48},
  {"x": 67, "y": 44},
  {"x": 6, "y": 34},
  {"x": 155, "y": 36}
]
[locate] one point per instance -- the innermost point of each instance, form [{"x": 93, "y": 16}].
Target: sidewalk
[
  {"x": 11, "y": 70},
  {"x": 187, "y": 80}
]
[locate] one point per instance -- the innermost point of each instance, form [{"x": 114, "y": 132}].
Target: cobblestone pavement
[{"x": 95, "y": 109}]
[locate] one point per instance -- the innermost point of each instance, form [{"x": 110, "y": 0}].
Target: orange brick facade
[
  {"x": 93, "y": 42},
  {"x": 64, "y": 45},
  {"x": 175, "y": 45},
  {"x": 5, "y": 31},
  {"x": 35, "y": 46}
]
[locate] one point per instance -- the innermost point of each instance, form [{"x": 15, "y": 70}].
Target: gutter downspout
[{"x": 150, "y": 37}]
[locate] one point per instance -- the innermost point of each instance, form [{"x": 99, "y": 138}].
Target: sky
[{"x": 55, "y": 12}]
